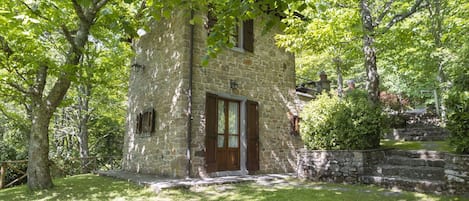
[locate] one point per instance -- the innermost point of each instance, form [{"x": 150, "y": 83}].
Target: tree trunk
[
  {"x": 38, "y": 154},
  {"x": 340, "y": 85},
  {"x": 369, "y": 50},
  {"x": 436, "y": 14},
  {"x": 83, "y": 112}
]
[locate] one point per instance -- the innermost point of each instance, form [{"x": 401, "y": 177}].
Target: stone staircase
[
  {"x": 416, "y": 170},
  {"x": 426, "y": 133}
]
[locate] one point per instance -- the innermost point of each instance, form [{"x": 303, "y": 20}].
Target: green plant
[
  {"x": 457, "y": 103},
  {"x": 352, "y": 122},
  {"x": 8, "y": 153}
]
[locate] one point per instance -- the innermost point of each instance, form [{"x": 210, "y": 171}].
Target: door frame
[{"x": 242, "y": 138}]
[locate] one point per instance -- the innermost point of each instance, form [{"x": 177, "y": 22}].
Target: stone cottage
[{"x": 232, "y": 117}]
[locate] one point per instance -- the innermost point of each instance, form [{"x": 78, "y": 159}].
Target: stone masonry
[
  {"x": 412, "y": 170},
  {"x": 337, "y": 165},
  {"x": 161, "y": 81}
]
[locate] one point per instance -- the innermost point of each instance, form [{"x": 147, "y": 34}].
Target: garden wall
[
  {"x": 457, "y": 173},
  {"x": 337, "y": 165},
  {"x": 349, "y": 166}
]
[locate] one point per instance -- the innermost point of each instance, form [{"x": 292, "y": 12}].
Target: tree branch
[
  {"x": 58, "y": 91},
  {"x": 80, "y": 12},
  {"x": 68, "y": 36},
  {"x": 99, "y": 5},
  {"x": 5, "y": 47},
  {"x": 399, "y": 17},
  {"x": 18, "y": 87},
  {"x": 387, "y": 7},
  {"x": 39, "y": 84},
  {"x": 20, "y": 75},
  {"x": 35, "y": 12}
]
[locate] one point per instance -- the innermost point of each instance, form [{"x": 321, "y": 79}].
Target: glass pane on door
[
  {"x": 233, "y": 141},
  {"x": 221, "y": 141},
  {"x": 221, "y": 116},
  {"x": 233, "y": 118}
]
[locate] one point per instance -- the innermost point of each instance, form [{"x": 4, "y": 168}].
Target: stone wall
[
  {"x": 159, "y": 81},
  {"x": 457, "y": 173},
  {"x": 266, "y": 76},
  {"x": 349, "y": 166},
  {"x": 337, "y": 165}
]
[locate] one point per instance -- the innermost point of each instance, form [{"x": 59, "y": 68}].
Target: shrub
[
  {"x": 330, "y": 122},
  {"x": 457, "y": 103}
]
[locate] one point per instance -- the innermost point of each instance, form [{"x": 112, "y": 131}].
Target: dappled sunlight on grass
[
  {"x": 303, "y": 191},
  {"x": 442, "y": 146},
  {"x": 405, "y": 145},
  {"x": 80, "y": 187},
  {"x": 92, "y": 187}
]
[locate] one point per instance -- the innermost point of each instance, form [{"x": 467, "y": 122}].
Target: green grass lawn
[
  {"x": 92, "y": 187},
  {"x": 442, "y": 146}
]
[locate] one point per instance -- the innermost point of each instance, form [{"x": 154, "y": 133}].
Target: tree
[
  {"x": 32, "y": 30},
  {"x": 343, "y": 19},
  {"x": 373, "y": 15},
  {"x": 331, "y": 40}
]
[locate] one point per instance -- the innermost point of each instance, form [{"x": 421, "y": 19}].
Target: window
[
  {"x": 243, "y": 38},
  {"x": 146, "y": 122}
]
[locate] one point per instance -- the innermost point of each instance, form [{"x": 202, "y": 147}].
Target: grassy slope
[{"x": 91, "y": 187}]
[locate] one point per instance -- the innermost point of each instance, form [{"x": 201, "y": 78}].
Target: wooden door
[{"x": 228, "y": 135}]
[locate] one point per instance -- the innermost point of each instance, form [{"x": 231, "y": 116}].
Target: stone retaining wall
[
  {"x": 457, "y": 173},
  {"x": 348, "y": 166},
  {"x": 337, "y": 165}
]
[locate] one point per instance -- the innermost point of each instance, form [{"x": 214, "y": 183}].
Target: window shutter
[
  {"x": 248, "y": 35},
  {"x": 252, "y": 136},
  {"x": 211, "y": 21},
  {"x": 139, "y": 123},
  {"x": 152, "y": 120},
  {"x": 211, "y": 132}
]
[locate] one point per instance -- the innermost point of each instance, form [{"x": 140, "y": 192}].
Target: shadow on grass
[
  {"x": 80, "y": 187},
  {"x": 92, "y": 187},
  {"x": 306, "y": 191}
]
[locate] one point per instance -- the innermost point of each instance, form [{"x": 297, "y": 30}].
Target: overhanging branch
[
  {"x": 386, "y": 9},
  {"x": 79, "y": 10},
  {"x": 35, "y": 12},
  {"x": 401, "y": 16}
]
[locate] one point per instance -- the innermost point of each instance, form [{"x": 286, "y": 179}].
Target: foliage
[
  {"x": 424, "y": 52},
  {"x": 330, "y": 122},
  {"x": 458, "y": 117},
  {"x": 8, "y": 153},
  {"x": 46, "y": 47},
  {"x": 92, "y": 187},
  {"x": 347, "y": 31}
]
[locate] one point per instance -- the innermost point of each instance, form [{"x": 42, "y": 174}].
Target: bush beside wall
[{"x": 333, "y": 123}]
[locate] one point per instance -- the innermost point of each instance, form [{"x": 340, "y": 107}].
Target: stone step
[
  {"x": 415, "y": 162},
  {"x": 402, "y": 183},
  {"x": 421, "y": 154},
  {"x": 429, "y": 173},
  {"x": 418, "y": 134}
]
